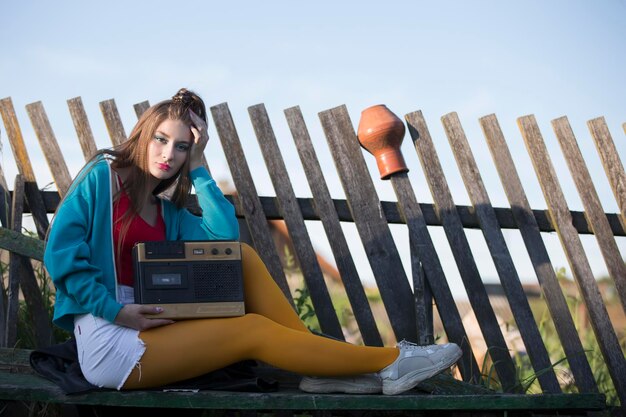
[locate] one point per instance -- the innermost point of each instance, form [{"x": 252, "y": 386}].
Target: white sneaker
[
  {"x": 416, "y": 364},
  {"x": 357, "y": 384}
]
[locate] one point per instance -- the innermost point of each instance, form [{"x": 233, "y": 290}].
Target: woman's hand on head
[
  {"x": 134, "y": 316},
  {"x": 200, "y": 138}
]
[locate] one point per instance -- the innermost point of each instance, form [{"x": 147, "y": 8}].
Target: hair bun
[
  {"x": 185, "y": 99},
  {"x": 183, "y": 96}
]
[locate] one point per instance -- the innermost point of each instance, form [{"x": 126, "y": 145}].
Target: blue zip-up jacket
[{"x": 79, "y": 254}]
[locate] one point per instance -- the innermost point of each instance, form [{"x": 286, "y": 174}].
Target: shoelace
[{"x": 405, "y": 344}]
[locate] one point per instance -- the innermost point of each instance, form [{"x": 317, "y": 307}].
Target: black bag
[{"x": 59, "y": 364}]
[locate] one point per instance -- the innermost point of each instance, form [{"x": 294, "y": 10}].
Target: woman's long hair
[{"x": 133, "y": 156}]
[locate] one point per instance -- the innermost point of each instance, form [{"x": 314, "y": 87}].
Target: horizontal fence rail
[{"x": 505, "y": 216}]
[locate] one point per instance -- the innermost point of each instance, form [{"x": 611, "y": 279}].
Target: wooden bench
[{"x": 410, "y": 313}]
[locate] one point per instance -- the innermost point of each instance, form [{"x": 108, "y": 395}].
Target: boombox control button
[
  {"x": 228, "y": 251},
  {"x": 215, "y": 251}
]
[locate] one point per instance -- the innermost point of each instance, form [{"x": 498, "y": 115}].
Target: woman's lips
[{"x": 164, "y": 167}]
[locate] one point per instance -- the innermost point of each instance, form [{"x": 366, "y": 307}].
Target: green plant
[
  {"x": 305, "y": 309},
  {"x": 528, "y": 377},
  {"x": 302, "y": 296}
]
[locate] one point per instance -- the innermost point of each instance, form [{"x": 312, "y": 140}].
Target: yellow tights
[{"x": 270, "y": 331}]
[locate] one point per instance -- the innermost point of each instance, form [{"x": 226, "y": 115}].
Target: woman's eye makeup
[{"x": 181, "y": 146}]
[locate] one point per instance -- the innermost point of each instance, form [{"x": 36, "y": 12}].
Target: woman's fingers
[
  {"x": 143, "y": 309},
  {"x": 200, "y": 139},
  {"x": 152, "y": 323},
  {"x": 134, "y": 316},
  {"x": 199, "y": 128}
]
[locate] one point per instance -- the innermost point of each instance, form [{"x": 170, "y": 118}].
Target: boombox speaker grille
[{"x": 217, "y": 281}]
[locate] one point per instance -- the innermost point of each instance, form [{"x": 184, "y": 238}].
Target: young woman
[{"x": 113, "y": 203}]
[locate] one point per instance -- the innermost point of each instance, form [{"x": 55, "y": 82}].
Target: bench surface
[{"x": 19, "y": 383}]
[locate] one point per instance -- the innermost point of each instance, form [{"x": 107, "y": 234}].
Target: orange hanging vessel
[{"x": 381, "y": 133}]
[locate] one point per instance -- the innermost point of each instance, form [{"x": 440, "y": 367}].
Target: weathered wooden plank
[
  {"x": 250, "y": 203},
  {"x": 34, "y": 300},
  {"x": 5, "y": 218},
  {"x": 15, "y": 266},
  {"x": 16, "y": 140},
  {"x": 83, "y": 129},
  {"x": 5, "y": 203},
  {"x": 593, "y": 207},
  {"x": 426, "y": 268},
  {"x": 453, "y": 228},
  {"x": 140, "y": 108},
  {"x": 610, "y": 161},
  {"x": 538, "y": 254},
  {"x": 21, "y": 244},
  {"x": 35, "y": 202},
  {"x": 303, "y": 247},
  {"x": 15, "y": 357},
  {"x": 466, "y": 214},
  {"x": 322, "y": 204},
  {"x": 28, "y": 387},
  {"x": 500, "y": 254},
  {"x": 16, "y": 377},
  {"x": 371, "y": 225},
  {"x": 49, "y": 146},
  {"x": 113, "y": 121},
  {"x": 419, "y": 245},
  {"x": 600, "y": 320}
]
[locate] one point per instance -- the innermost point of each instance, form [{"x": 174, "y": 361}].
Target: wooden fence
[{"x": 410, "y": 312}]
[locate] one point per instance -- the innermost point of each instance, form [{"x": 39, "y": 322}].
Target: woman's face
[{"x": 168, "y": 149}]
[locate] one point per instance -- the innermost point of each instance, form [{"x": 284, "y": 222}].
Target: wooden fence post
[
  {"x": 82, "y": 127},
  {"x": 33, "y": 195},
  {"x": 50, "y": 146}
]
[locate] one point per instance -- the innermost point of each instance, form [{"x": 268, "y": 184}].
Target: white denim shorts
[{"x": 107, "y": 352}]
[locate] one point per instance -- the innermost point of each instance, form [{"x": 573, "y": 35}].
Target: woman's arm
[
  {"x": 218, "y": 221},
  {"x": 68, "y": 259},
  {"x": 218, "y": 214}
]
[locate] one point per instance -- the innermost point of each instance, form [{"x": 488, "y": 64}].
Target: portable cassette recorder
[{"x": 190, "y": 279}]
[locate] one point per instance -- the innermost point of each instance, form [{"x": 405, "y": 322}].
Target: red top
[{"x": 138, "y": 231}]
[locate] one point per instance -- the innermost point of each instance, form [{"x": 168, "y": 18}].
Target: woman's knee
[
  {"x": 247, "y": 249},
  {"x": 255, "y": 321}
]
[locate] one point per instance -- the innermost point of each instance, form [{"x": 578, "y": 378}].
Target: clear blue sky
[{"x": 548, "y": 58}]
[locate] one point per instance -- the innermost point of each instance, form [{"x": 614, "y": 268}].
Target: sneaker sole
[{"x": 411, "y": 379}]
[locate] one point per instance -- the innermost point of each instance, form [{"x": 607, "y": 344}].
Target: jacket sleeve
[
  {"x": 218, "y": 221},
  {"x": 68, "y": 257}
]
